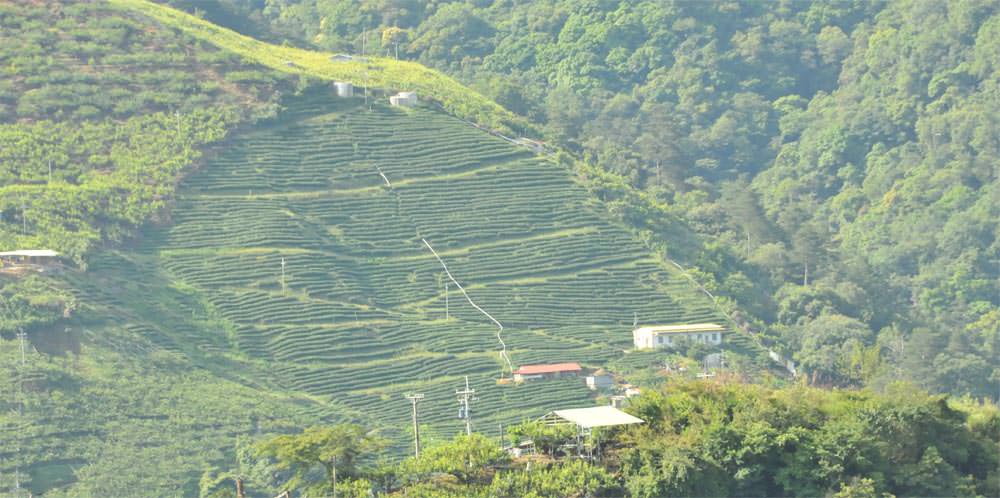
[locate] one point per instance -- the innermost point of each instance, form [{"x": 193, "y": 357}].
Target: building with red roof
[{"x": 552, "y": 370}]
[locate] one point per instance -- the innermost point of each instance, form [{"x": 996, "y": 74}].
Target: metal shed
[{"x": 586, "y": 420}]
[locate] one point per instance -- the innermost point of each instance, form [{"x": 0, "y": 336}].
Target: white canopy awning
[
  {"x": 31, "y": 253},
  {"x": 598, "y": 416}
]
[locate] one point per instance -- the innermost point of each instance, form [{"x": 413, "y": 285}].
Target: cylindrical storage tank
[{"x": 343, "y": 89}]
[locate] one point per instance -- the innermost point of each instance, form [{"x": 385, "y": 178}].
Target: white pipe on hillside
[{"x": 503, "y": 345}]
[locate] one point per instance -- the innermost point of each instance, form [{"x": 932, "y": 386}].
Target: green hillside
[
  {"x": 378, "y": 72},
  {"x": 245, "y": 255},
  {"x": 196, "y": 312},
  {"x": 837, "y": 158},
  {"x": 361, "y": 318},
  {"x": 168, "y": 347}
]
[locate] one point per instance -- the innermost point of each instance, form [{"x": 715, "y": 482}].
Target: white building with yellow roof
[{"x": 663, "y": 336}]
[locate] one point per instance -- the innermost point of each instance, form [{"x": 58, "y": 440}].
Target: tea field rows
[{"x": 304, "y": 237}]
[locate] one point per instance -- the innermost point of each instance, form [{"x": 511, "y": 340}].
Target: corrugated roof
[
  {"x": 32, "y": 253},
  {"x": 677, "y": 329},
  {"x": 598, "y": 416},
  {"x": 544, "y": 369}
]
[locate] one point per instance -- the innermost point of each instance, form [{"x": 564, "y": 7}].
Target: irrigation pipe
[
  {"x": 503, "y": 345},
  {"x": 384, "y": 177}
]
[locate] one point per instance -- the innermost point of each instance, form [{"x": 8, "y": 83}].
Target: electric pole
[
  {"x": 21, "y": 336},
  {"x": 465, "y": 397},
  {"x": 333, "y": 466},
  {"x": 414, "y": 399},
  {"x": 446, "y": 310}
]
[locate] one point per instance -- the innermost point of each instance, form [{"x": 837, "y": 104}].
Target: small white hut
[
  {"x": 343, "y": 89},
  {"x": 404, "y": 99}
]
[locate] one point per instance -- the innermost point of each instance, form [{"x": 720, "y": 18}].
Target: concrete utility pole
[
  {"x": 21, "y": 336},
  {"x": 415, "y": 399},
  {"x": 465, "y": 397},
  {"x": 334, "y": 467},
  {"x": 447, "y": 314}
]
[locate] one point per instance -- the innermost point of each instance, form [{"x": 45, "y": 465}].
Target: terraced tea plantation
[{"x": 306, "y": 237}]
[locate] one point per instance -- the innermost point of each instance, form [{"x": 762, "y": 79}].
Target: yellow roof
[{"x": 679, "y": 329}]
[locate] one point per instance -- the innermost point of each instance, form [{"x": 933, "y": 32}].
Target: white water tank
[{"x": 343, "y": 89}]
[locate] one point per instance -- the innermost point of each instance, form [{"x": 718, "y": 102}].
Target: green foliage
[
  {"x": 567, "y": 478},
  {"x": 468, "y": 458},
  {"x": 334, "y": 449},
  {"x": 90, "y": 60},
  {"x": 739, "y": 440},
  {"x": 829, "y": 346},
  {"x": 102, "y": 189},
  {"x": 548, "y": 439},
  {"x": 32, "y": 302}
]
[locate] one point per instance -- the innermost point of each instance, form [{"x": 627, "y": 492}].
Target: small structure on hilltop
[
  {"x": 27, "y": 259},
  {"x": 661, "y": 336},
  {"x": 550, "y": 371},
  {"x": 600, "y": 379},
  {"x": 343, "y": 89},
  {"x": 404, "y": 99},
  {"x": 347, "y": 58}
]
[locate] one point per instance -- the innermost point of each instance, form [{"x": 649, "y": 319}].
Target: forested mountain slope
[
  {"x": 244, "y": 262},
  {"x": 843, "y": 155}
]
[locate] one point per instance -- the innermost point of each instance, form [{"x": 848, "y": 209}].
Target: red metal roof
[{"x": 544, "y": 369}]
